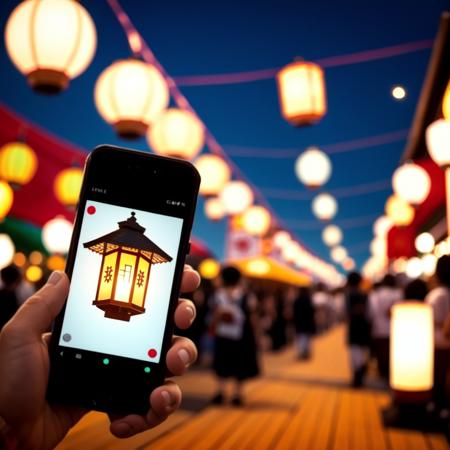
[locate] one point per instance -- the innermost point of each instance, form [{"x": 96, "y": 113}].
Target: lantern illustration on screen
[{"x": 127, "y": 258}]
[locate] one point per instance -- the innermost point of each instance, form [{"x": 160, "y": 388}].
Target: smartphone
[{"x": 125, "y": 263}]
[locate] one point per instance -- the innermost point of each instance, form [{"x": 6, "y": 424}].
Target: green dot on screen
[
  {"x": 147, "y": 369},
  {"x": 106, "y": 361}
]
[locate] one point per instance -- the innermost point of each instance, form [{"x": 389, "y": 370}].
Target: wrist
[{"x": 7, "y": 439}]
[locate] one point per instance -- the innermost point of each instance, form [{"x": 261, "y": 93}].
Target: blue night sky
[{"x": 191, "y": 38}]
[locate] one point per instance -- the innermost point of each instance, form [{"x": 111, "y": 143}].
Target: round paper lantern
[
  {"x": 67, "y": 186},
  {"x": 236, "y": 197},
  {"x": 19, "y": 259},
  {"x": 424, "y": 243},
  {"x": 399, "y": 265},
  {"x": 209, "y": 269},
  {"x": 414, "y": 268},
  {"x": 50, "y": 42},
  {"x": 56, "y": 262},
  {"x": 324, "y": 206},
  {"x": 130, "y": 94},
  {"x": 446, "y": 103},
  {"x": 178, "y": 133},
  {"x": 7, "y": 250},
  {"x": 378, "y": 247},
  {"x": 290, "y": 251},
  {"x": 18, "y": 163},
  {"x": 214, "y": 209},
  {"x": 429, "y": 263},
  {"x": 301, "y": 89},
  {"x": 382, "y": 226},
  {"x": 214, "y": 172},
  {"x": 400, "y": 212},
  {"x": 33, "y": 274},
  {"x": 338, "y": 254},
  {"x": 256, "y": 220},
  {"x": 35, "y": 258},
  {"x": 313, "y": 167},
  {"x": 6, "y": 199},
  {"x": 56, "y": 235},
  {"x": 280, "y": 238},
  {"x": 438, "y": 142},
  {"x": 332, "y": 235},
  {"x": 411, "y": 183},
  {"x": 348, "y": 264}
]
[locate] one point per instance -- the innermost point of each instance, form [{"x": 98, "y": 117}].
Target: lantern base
[
  {"x": 304, "y": 121},
  {"x": 130, "y": 129},
  {"x": 48, "y": 81},
  {"x": 118, "y": 310}
]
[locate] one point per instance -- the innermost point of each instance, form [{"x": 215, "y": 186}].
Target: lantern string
[
  {"x": 352, "y": 222},
  {"x": 329, "y": 62}
]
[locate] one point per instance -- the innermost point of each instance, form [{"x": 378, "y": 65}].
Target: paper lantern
[
  {"x": 280, "y": 238},
  {"x": 400, "y": 212},
  {"x": 56, "y": 262},
  {"x": 429, "y": 263},
  {"x": 412, "y": 347},
  {"x": 214, "y": 209},
  {"x": 424, "y": 243},
  {"x": 177, "y": 133},
  {"x": 348, "y": 264},
  {"x": 18, "y": 163},
  {"x": 382, "y": 226},
  {"x": 130, "y": 94},
  {"x": 50, "y": 42},
  {"x": 301, "y": 89},
  {"x": 7, "y": 250},
  {"x": 313, "y": 167},
  {"x": 324, "y": 206},
  {"x": 446, "y": 103},
  {"x": 35, "y": 258},
  {"x": 438, "y": 142},
  {"x": 332, "y": 235},
  {"x": 33, "y": 274},
  {"x": 67, "y": 186},
  {"x": 209, "y": 269},
  {"x": 214, "y": 172},
  {"x": 236, "y": 197},
  {"x": 19, "y": 259},
  {"x": 6, "y": 199},
  {"x": 290, "y": 251},
  {"x": 256, "y": 220},
  {"x": 338, "y": 254},
  {"x": 411, "y": 183},
  {"x": 414, "y": 268},
  {"x": 56, "y": 235},
  {"x": 378, "y": 247}
]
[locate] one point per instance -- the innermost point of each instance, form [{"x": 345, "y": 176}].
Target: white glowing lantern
[
  {"x": 130, "y": 94},
  {"x": 338, "y": 254},
  {"x": 280, "y": 238},
  {"x": 7, "y": 250},
  {"x": 412, "y": 347},
  {"x": 214, "y": 172},
  {"x": 324, "y": 206},
  {"x": 378, "y": 247},
  {"x": 414, "y": 268},
  {"x": 382, "y": 226},
  {"x": 424, "y": 243},
  {"x": 290, "y": 251},
  {"x": 429, "y": 264},
  {"x": 332, "y": 235},
  {"x": 214, "y": 209},
  {"x": 399, "y": 265},
  {"x": 348, "y": 264},
  {"x": 411, "y": 183},
  {"x": 256, "y": 220},
  {"x": 236, "y": 197},
  {"x": 313, "y": 167},
  {"x": 50, "y": 42},
  {"x": 56, "y": 235},
  {"x": 177, "y": 133}
]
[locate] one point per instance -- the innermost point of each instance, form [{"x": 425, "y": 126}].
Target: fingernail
[
  {"x": 183, "y": 354},
  {"x": 123, "y": 429},
  {"x": 191, "y": 312},
  {"x": 54, "y": 277},
  {"x": 166, "y": 397}
]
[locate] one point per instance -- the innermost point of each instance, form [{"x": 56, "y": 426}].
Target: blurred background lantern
[
  {"x": 67, "y": 186},
  {"x": 324, "y": 206},
  {"x": 429, "y": 263},
  {"x": 35, "y": 258},
  {"x": 424, "y": 243},
  {"x": 378, "y": 247},
  {"x": 7, "y": 250},
  {"x": 6, "y": 199},
  {"x": 414, "y": 268},
  {"x": 50, "y": 42},
  {"x": 446, "y": 103},
  {"x": 214, "y": 172},
  {"x": 130, "y": 94},
  {"x": 290, "y": 251},
  {"x": 382, "y": 226},
  {"x": 338, "y": 254},
  {"x": 214, "y": 209},
  {"x": 256, "y": 220},
  {"x": 313, "y": 167},
  {"x": 400, "y": 212},
  {"x": 33, "y": 274},
  {"x": 411, "y": 183},
  {"x": 301, "y": 89},
  {"x": 178, "y": 133},
  {"x": 18, "y": 163},
  {"x": 348, "y": 264},
  {"x": 209, "y": 268},
  {"x": 56, "y": 235},
  {"x": 236, "y": 197},
  {"x": 280, "y": 238},
  {"x": 56, "y": 262},
  {"x": 19, "y": 259},
  {"x": 332, "y": 235}
]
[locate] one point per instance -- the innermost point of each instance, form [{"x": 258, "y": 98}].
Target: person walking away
[
  {"x": 11, "y": 277},
  {"x": 304, "y": 322}
]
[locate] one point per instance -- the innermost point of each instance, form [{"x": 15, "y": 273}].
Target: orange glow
[
  {"x": 19, "y": 259},
  {"x": 33, "y": 274},
  {"x": 67, "y": 186},
  {"x": 400, "y": 212},
  {"x": 18, "y": 163},
  {"x": 56, "y": 262},
  {"x": 35, "y": 258},
  {"x": 209, "y": 269}
]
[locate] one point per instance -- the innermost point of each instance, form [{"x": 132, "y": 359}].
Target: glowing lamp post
[
  {"x": 324, "y": 207},
  {"x": 400, "y": 212},
  {"x": 127, "y": 258},
  {"x": 313, "y": 167},
  {"x": 67, "y": 186},
  {"x": 50, "y": 42},
  {"x": 236, "y": 197},
  {"x": 301, "y": 89},
  {"x": 130, "y": 94},
  {"x": 7, "y": 250},
  {"x": 56, "y": 235},
  {"x": 177, "y": 133},
  {"x": 18, "y": 163},
  {"x": 214, "y": 172},
  {"x": 256, "y": 220},
  {"x": 411, "y": 183},
  {"x": 6, "y": 199},
  {"x": 332, "y": 235}
]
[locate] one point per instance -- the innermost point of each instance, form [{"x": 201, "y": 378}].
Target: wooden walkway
[{"x": 294, "y": 406}]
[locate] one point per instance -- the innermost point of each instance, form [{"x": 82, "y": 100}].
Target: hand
[{"x": 24, "y": 369}]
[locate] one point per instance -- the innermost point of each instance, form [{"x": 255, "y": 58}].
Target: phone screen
[{"x": 122, "y": 280}]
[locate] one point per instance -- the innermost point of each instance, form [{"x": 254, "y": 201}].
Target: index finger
[{"x": 190, "y": 280}]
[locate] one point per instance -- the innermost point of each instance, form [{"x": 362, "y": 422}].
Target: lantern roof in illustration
[{"x": 131, "y": 237}]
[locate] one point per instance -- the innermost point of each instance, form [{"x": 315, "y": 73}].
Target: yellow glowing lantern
[
  {"x": 50, "y": 42},
  {"x": 56, "y": 262},
  {"x": 19, "y": 259},
  {"x": 214, "y": 172},
  {"x": 324, "y": 206},
  {"x": 35, "y": 258},
  {"x": 67, "y": 186},
  {"x": 214, "y": 209},
  {"x": 301, "y": 89},
  {"x": 130, "y": 94},
  {"x": 446, "y": 103},
  {"x": 127, "y": 258},
  {"x": 18, "y": 163},
  {"x": 256, "y": 220},
  {"x": 332, "y": 235},
  {"x": 178, "y": 133},
  {"x": 7, "y": 250},
  {"x": 411, "y": 183},
  {"x": 412, "y": 347},
  {"x": 424, "y": 243},
  {"x": 236, "y": 197},
  {"x": 382, "y": 226},
  {"x": 56, "y": 235},
  {"x": 313, "y": 167},
  {"x": 400, "y": 212},
  {"x": 33, "y": 274},
  {"x": 6, "y": 199},
  {"x": 257, "y": 267},
  {"x": 338, "y": 254},
  {"x": 209, "y": 268}
]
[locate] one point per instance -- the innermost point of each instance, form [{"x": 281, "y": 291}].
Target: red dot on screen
[
  {"x": 152, "y": 353},
  {"x": 91, "y": 210}
]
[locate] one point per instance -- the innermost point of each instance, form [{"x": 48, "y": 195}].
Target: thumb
[{"x": 36, "y": 315}]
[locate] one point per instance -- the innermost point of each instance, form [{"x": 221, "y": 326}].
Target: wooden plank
[
  {"x": 343, "y": 423},
  {"x": 377, "y": 437},
  {"x": 437, "y": 442}
]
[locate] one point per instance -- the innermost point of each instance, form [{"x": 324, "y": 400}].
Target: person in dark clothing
[
  {"x": 11, "y": 277},
  {"x": 279, "y": 324},
  {"x": 415, "y": 290},
  {"x": 358, "y": 336},
  {"x": 304, "y": 323}
]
